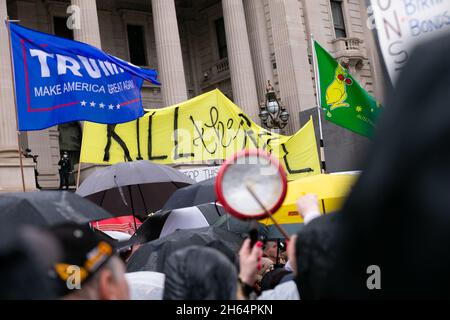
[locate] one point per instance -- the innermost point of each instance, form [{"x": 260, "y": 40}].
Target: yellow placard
[{"x": 205, "y": 128}]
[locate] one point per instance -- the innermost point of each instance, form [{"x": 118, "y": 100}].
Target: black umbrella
[
  {"x": 241, "y": 227},
  {"x": 152, "y": 255},
  {"x": 199, "y": 193},
  {"x": 48, "y": 208},
  {"x": 164, "y": 222},
  {"x": 138, "y": 187},
  {"x": 292, "y": 228}
]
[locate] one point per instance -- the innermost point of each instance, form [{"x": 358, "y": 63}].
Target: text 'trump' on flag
[{"x": 59, "y": 80}]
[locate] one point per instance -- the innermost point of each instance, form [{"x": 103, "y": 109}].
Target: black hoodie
[{"x": 398, "y": 214}]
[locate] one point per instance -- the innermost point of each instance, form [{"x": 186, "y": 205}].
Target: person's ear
[{"x": 106, "y": 286}]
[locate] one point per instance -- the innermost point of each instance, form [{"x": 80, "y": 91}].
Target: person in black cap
[
  {"x": 89, "y": 268},
  {"x": 65, "y": 167}
]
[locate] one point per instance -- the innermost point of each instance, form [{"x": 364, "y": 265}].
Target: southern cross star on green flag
[{"x": 343, "y": 100}]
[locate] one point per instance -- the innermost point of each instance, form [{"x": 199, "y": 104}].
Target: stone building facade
[{"x": 197, "y": 45}]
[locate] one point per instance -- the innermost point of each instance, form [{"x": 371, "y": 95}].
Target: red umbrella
[{"x": 122, "y": 224}]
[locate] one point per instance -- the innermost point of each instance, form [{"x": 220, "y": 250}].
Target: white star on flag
[
  {"x": 83, "y": 103},
  {"x": 111, "y": 107},
  {"x": 118, "y": 107},
  {"x": 102, "y": 105},
  {"x": 93, "y": 104}
]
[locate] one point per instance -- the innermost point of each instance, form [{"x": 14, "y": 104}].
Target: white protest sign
[
  {"x": 402, "y": 24},
  {"x": 201, "y": 173}
]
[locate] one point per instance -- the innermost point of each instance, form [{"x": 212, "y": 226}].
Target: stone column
[
  {"x": 89, "y": 31},
  {"x": 168, "y": 49},
  {"x": 294, "y": 70},
  {"x": 10, "y": 174},
  {"x": 8, "y": 134},
  {"x": 240, "y": 59},
  {"x": 259, "y": 44}
]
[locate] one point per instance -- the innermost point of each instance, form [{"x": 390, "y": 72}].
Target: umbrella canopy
[
  {"x": 331, "y": 190},
  {"x": 291, "y": 228},
  {"x": 240, "y": 227},
  {"x": 48, "y": 208},
  {"x": 199, "y": 193},
  {"x": 123, "y": 224},
  {"x": 191, "y": 218},
  {"x": 146, "y": 285},
  {"x": 243, "y": 227},
  {"x": 152, "y": 255},
  {"x": 163, "y": 223},
  {"x": 138, "y": 187}
]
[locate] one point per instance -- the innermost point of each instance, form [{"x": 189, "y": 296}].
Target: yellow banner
[{"x": 205, "y": 128}]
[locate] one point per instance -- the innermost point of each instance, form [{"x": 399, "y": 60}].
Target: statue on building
[
  {"x": 28, "y": 154},
  {"x": 269, "y": 87}
]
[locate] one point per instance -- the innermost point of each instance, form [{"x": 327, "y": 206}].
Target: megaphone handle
[
  {"x": 253, "y": 236},
  {"x": 277, "y": 225},
  {"x": 253, "y": 232}
]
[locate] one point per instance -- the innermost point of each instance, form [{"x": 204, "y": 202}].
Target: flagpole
[
  {"x": 79, "y": 161},
  {"x": 318, "y": 97},
  {"x": 78, "y": 174},
  {"x": 15, "y": 101}
]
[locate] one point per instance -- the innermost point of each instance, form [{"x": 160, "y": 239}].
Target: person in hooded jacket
[
  {"x": 391, "y": 238},
  {"x": 215, "y": 278}
]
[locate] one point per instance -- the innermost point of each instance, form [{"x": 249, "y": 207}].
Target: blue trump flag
[{"x": 59, "y": 80}]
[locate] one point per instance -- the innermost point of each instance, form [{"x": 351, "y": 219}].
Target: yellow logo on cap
[
  {"x": 97, "y": 256},
  {"x": 64, "y": 271}
]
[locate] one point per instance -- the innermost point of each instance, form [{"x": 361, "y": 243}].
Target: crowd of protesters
[
  {"x": 73, "y": 261},
  {"x": 397, "y": 218}
]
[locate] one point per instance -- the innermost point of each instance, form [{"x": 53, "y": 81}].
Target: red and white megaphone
[{"x": 252, "y": 185}]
